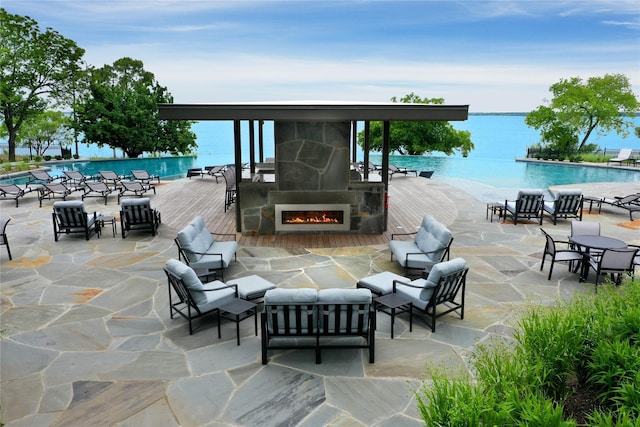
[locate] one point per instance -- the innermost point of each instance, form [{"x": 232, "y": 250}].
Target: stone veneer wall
[{"x": 312, "y": 167}]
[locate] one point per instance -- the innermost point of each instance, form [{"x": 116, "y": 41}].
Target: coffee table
[
  {"x": 237, "y": 310},
  {"x": 494, "y": 208},
  {"x": 394, "y": 304}
]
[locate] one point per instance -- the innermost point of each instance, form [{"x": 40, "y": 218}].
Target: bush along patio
[{"x": 574, "y": 363}]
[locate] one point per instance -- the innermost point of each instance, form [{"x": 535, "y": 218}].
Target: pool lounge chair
[
  {"x": 3, "y": 234},
  {"x": 97, "y": 189},
  {"x": 567, "y": 204},
  {"x": 143, "y": 176},
  {"x": 624, "y": 155},
  {"x": 215, "y": 171},
  {"x": 43, "y": 177},
  {"x": 54, "y": 190},
  {"x": 134, "y": 189},
  {"x": 76, "y": 178},
  {"x": 528, "y": 205},
  {"x": 12, "y": 191},
  {"x": 631, "y": 203},
  {"x": 393, "y": 169},
  {"x": 110, "y": 177}
]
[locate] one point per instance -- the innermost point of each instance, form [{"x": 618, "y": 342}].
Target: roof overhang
[{"x": 315, "y": 111}]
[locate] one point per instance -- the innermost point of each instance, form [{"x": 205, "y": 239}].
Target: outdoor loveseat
[
  {"x": 310, "y": 319},
  {"x": 198, "y": 247},
  {"x": 431, "y": 245}
]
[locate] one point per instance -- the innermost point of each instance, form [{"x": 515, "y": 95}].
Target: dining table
[{"x": 588, "y": 242}]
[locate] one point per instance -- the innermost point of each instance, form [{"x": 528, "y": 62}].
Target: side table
[
  {"x": 394, "y": 304},
  {"x": 592, "y": 200},
  {"x": 237, "y": 310},
  {"x": 110, "y": 219},
  {"x": 494, "y": 208}
]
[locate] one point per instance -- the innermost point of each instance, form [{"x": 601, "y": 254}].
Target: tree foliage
[
  {"x": 48, "y": 128},
  {"x": 36, "y": 69},
  {"x": 416, "y": 138},
  {"x": 580, "y": 108},
  {"x": 121, "y": 111}
]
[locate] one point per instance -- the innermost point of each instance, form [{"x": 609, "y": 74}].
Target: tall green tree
[
  {"x": 417, "y": 138},
  {"x": 36, "y": 69},
  {"x": 48, "y": 128},
  {"x": 580, "y": 108},
  {"x": 120, "y": 110}
]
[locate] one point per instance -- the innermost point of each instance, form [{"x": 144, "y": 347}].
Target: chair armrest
[
  {"x": 400, "y": 282},
  {"x": 223, "y": 235},
  {"x": 403, "y": 234}
]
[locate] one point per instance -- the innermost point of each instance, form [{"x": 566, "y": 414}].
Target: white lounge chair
[{"x": 623, "y": 155}]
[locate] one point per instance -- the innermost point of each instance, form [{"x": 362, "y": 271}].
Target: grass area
[{"x": 574, "y": 363}]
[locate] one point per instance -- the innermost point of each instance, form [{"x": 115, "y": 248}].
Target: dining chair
[
  {"x": 614, "y": 262},
  {"x": 585, "y": 228},
  {"x": 559, "y": 255}
]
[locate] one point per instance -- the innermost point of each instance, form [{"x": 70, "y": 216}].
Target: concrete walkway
[{"x": 87, "y": 338}]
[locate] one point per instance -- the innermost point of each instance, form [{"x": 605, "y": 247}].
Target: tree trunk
[{"x": 12, "y": 144}]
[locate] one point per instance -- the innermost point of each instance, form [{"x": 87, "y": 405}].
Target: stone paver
[{"x": 87, "y": 338}]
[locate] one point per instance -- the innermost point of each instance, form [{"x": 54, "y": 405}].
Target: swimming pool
[{"x": 495, "y": 173}]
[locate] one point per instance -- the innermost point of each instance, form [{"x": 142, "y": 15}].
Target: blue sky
[{"x": 493, "y": 55}]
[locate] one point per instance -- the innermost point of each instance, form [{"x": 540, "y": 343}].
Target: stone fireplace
[{"x": 312, "y": 175}]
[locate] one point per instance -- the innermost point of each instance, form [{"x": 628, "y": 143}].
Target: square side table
[{"x": 237, "y": 310}]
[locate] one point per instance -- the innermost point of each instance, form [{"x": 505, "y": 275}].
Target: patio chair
[
  {"x": 373, "y": 167},
  {"x": 630, "y": 203},
  {"x": 55, "y": 190},
  {"x": 97, "y": 189},
  {"x": 614, "y": 262},
  {"x": 110, "y": 177},
  {"x": 585, "y": 228},
  {"x": 195, "y": 299},
  {"x": 528, "y": 205},
  {"x": 3, "y": 234},
  {"x": 137, "y": 214},
  {"x": 72, "y": 217},
  {"x": 624, "y": 155},
  {"x": 144, "y": 177},
  {"x": 559, "y": 255},
  {"x": 393, "y": 169},
  {"x": 215, "y": 171},
  {"x": 134, "y": 189},
  {"x": 76, "y": 178},
  {"x": 445, "y": 285},
  {"x": 12, "y": 191},
  {"x": 42, "y": 177},
  {"x": 229, "y": 176},
  {"x": 567, "y": 204}
]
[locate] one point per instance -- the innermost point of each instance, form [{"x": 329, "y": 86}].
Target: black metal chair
[
  {"x": 559, "y": 255},
  {"x": 528, "y": 205},
  {"x": 229, "y": 176},
  {"x": 444, "y": 285},
  {"x": 567, "y": 204},
  {"x": 193, "y": 298},
  {"x": 72, "y": 217},
  {"x": 614, "y": 262},
  {"x": 12, "y": 191},
  {"x": 134, "y": 189},
  {"x": 97, "y": 189},
  {"x": 137, "y": 214},
  {"x": 3, "y": 234}
]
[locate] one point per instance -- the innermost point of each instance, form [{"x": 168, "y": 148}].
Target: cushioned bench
[
  {"x": 198, "y": 248},
  {"x": 316, "y": 319},
  {"x": 431, "y": 244}
]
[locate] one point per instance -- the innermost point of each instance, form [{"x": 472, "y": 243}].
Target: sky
[{"x": 495, "y": 56}]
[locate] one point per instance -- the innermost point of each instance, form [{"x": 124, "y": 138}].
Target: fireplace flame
[{"x": 322, "y": 218}]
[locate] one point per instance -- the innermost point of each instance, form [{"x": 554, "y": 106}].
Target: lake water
[{"x": 498, "y": 139}]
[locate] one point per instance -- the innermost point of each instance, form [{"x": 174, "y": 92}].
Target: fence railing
[
  {"x": 52, "y": 150},
  {"x": 555, "y": 154}
]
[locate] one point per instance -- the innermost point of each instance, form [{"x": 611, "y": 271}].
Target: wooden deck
[{"x": 410, "y": 198}]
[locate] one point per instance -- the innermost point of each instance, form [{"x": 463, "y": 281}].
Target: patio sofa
[
  {"x": 310, "y": 319},
  {"x": 203, "y": 250},
  {"x": 431, "y": 245}
]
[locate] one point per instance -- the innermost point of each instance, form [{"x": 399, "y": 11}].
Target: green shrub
[
  {"x": 562, "y": 353},
  {"x": 47, "y": 157}
]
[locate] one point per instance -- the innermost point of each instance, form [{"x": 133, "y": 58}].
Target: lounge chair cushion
[
  {"x": 190, "y": 240},
  {"x": 347, "y": 297},
  {"x": 195, "y": 237}
]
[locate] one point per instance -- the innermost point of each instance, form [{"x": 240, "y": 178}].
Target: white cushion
[
  {"x": 189, "y": 278},
  {"x": 284, "y": 296},
  {"x": 187, "y": 239},
  {"x": 381, "y": 283}
]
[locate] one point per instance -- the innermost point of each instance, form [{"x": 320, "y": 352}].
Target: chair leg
[{"x": 550, "y": 270}]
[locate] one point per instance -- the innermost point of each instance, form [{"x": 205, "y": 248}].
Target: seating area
[
  {"x": 145, "y": 353},
  {"x": 527, "y": 206}
]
